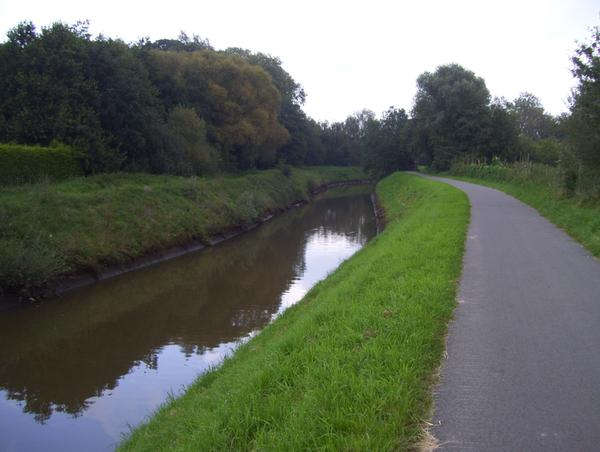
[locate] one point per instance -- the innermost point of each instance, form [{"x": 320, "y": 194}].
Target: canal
[{"x": 76, "y": 371}]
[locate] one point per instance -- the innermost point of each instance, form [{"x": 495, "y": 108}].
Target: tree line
[
  {"x": 180, "y": 106},
  {"x": 169, "y": 106}
]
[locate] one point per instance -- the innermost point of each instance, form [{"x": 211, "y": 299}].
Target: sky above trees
[{"x": 350, "y": 55}]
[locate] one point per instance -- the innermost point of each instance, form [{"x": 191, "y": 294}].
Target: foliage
[
  {"x": 292, "y": 117},
  {"x": 285, "y": 84},
  {"x": 583, "y": 125},
  {"x": 46, "y": 94},
  {"x": 343, "y": 141},
  {"x": 452, "y": 106},
  {"x": 386, "y": 144},
  {"x": 126, "y": 105},
  {"x": 183, "y": 44},
  {"x": 202, "y": 156},
  {"x": 532, "y": 121},
  {"x": 243, "y": 109},
  {"x": 27, "y": 164},
  {"x": 481, "y": 171},
  {"x": 123, "y": 105},
  {"x": 504, "y": 135}
]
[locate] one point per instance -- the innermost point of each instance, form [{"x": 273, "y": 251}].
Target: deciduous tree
[
  {"x": 583, "y": 125},
  {"x": 452, "y": 106}
]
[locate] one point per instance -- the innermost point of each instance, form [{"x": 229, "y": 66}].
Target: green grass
[
  {"x": 351, "y": 366},
  {"x": 539, "y": 186},
  {"x": 47, "y": 228}
]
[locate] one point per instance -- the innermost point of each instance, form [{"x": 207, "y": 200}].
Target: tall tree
[
  {"x": 244, "y": 111},
  {"x": 283, "y": 81},
  {"x": 46, "y": 93},
  {"x": 127, "y": 102},
  {"x": 452, "y": 106},
  {"x": 504, "y": 133},
  {"x": 293, "y": 97},
  {"x": 295, "y": 121},
  {"x": 531, "y": 118},
  {"x": 583, "y": 125}
]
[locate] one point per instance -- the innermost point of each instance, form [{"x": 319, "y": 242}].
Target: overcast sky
[{"x": 351, "y": 55}]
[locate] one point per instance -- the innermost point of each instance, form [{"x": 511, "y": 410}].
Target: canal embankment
[
  {"x": 349, "y": 367},
  {"x": 56, "y": 236}
]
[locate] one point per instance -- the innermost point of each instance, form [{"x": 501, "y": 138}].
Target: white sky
[{"x": 351, "y": 55}]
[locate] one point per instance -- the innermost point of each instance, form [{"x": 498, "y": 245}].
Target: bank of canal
[
  {"x": 351, "y": 366},
  {"x": 81, "y": 368}
]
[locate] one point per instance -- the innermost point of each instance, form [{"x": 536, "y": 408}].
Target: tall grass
[
  {"x": 49, "y": 228},
  {"x": 350, "y": 366}
]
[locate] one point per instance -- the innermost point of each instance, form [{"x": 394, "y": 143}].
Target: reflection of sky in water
[
  {"x": 324, "y": 253},
  {"x": 134, "y": 398}
]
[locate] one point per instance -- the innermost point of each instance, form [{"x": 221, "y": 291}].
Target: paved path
[{"x": 523, "y": 365}]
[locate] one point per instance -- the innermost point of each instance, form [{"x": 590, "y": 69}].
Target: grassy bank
[
  {"x": 350, "y": 367},
  {"x": 86, "y": 224},
  {"x": 542, "y": 187}
]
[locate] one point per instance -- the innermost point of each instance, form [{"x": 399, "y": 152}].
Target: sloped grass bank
[
  {"x": 51, "y": 229},
  {"x": 350, "y": 367}
]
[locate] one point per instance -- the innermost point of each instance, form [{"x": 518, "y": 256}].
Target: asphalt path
[{"x": 522, "y": 371}]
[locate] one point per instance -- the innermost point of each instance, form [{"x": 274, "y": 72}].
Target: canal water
[{"x": 77, "y": 371}]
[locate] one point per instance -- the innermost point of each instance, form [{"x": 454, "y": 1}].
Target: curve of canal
[{"x": 77, "y": 371}]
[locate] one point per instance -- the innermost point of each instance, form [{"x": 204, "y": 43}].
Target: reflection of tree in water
[{"x": 79, "y": 347}]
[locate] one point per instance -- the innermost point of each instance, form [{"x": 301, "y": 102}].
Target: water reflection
[{"x": 110, "y": 352}]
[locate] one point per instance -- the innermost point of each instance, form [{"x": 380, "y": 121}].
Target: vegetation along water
[
  {"x": 83, "y": 366},
  {"x": 350, "y": 367},
  {"x": 50, "y": 230}
]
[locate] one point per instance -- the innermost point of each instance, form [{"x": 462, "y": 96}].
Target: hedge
[{"x": 21, "y": 164}]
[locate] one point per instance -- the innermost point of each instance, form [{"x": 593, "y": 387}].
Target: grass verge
[
  {"x": 86, "y": 224},
  {"x": 350, "y": 367}
]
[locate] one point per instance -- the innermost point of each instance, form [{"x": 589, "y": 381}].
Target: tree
[
  {"x": 504, "y": 134},
  {"x": 283, "y": 81},
  {"x": 293, "y": 97},
  {"x": 452, "y": 106},
  {"x": 127, "y": 103},
  {"x": 295, "y": 121},
  {"x": 531, "y": 118},
  {"x": 183, "y": 44},
  {"x": 386, "y": 145},
  {"x": 316, "y": 152},
  {"x": 185, "y": 122},
  {"x": 47, "y": 95},
  {"x": 244, "y": 110},
  {"x": 583, "y": 125}
]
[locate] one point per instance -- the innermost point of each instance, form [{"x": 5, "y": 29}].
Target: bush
[{"x": 27, "y": 164}]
